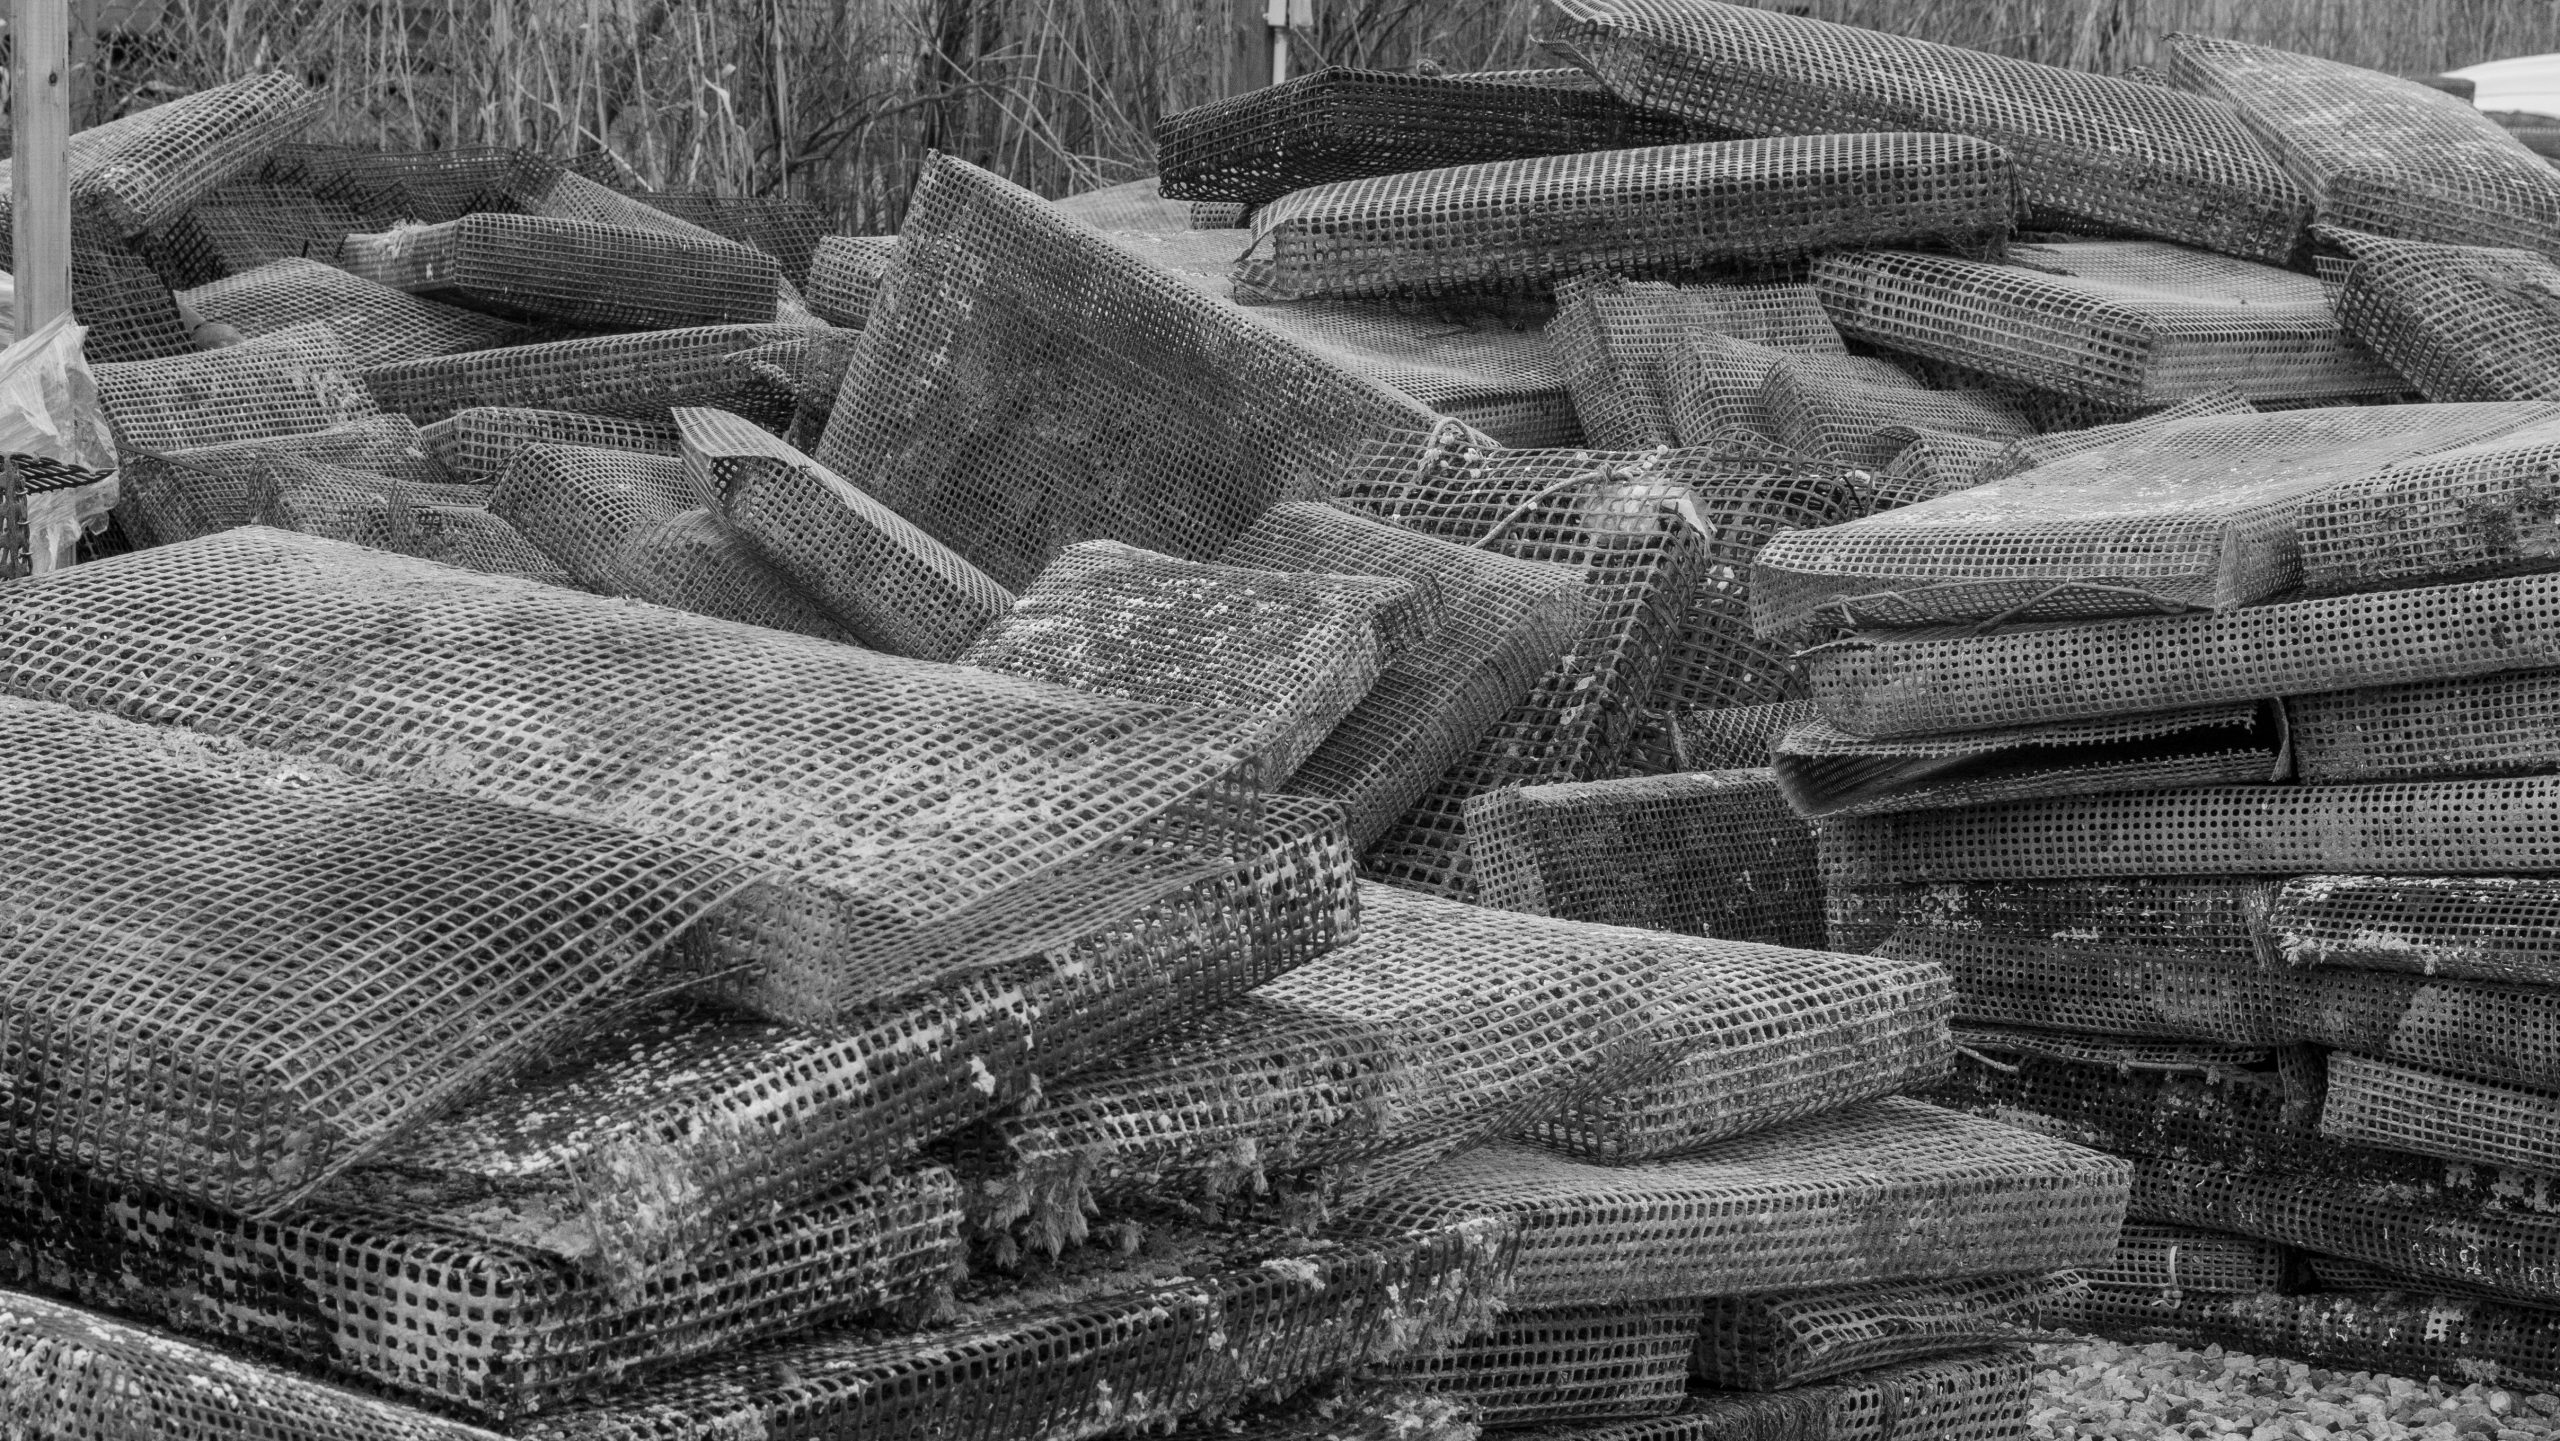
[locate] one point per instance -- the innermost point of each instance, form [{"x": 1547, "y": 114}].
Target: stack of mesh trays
[{"x": 2463, "y": 322}]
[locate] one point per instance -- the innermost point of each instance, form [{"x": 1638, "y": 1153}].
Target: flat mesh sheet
[
  {"x": 1889, "y": 1190},
  {"x": 2477, "y": 928},
  {"x": 2462, "y": 322},
  {"x": 297, "y": 379},
  {"x": 1719, "y": 387},
  {"x": 2478, "y": 510},
  {"x": 1616, "y": 337},
  {"x": 1548, "y": 1365},
  {"x": 845, "y": 277},
  {"x": 1023, "y": 384},
  {"x": 574, "y": 271},
  {"x": 374, "y": 322},
  {"x": 641, "y": 376},
  {"x": 1984, "y": 1395},
  {"x": 142, "y": 169},
  {"x": 2090, "y": 150},
  {"x": 477, "y": 443},
  {"x": 1665, "y": 210},
  {"x": 1769, "y": 1343},
  {"x": 2409, "y": 1108}
]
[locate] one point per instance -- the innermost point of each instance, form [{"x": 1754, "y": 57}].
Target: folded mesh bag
[
  {"x": 845, "y": 275},
  {"x": 2463, "y": 322},
  {"x": 439, "y": 523},
  {"x": 1717, "y": 386},
  {"x": 1984, "y": 1395},
  {"x": 1712, "y": 738},
  {"x": 576, "y": 271},
  {"x": 245, "y": 224},
  {"x": 1864, "y": 423},
  {"x": 1505, "y": 382},
  {"x": 2478, "y": 510},
  {"x": 375, "y": 322}
]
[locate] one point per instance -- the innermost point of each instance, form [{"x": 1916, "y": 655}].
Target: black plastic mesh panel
[
  {"x": 298, "y": 379},
  {"x": 478, "y": 443},
  {"x": 1136, "y": 205},
  {"x": 1557, "y": 1364},
  {"x": 1981, "y": 1396},
  {"x": 142, "y": 169},
  {"x": 439, "y": 523},
  {"x": 2219, "y": 916},
  {"x": 636, "y": 377},
  {"x": 1768, "y": 1343},
  {"x": 1505, "y": 382},
  {"x": 390, "y": 187},
  {"x": 845, "y": 277},
  {"x": 1616, "y": 339},
  {"x": 2496, "y": 928},
  {"x": 2502, "y": 1034},
  {"x": 2462, "y": 322},
  {"x": 1718, "y": 386},
  {"x": 179, "y": 494},
  {"x": 2407, "y": 1108},
  {"x": 790, "y": 230},
  {"x": 1520, "y": 225},
  {"x": 1712, "y": 738},
  {"x": 245, "y": 225},
  {"x": 1853, "y": 421},
  {"x": 572, "y": 270},
  {"x": 116, "y": 294},
  {"x": 374, "y": 322},
  {"x": 2038, "y": 450},
  {"x": 2482, "y": 510}
]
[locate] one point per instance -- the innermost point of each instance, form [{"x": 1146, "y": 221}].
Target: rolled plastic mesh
[
  {"x": 2479, "y": 510},
  {"x": 2089, "y": 150},
  {"x": 2462, "y": 322},
  {"x": 2409, "y": 1108},
  {"x": 572, "y": 270},
  {"x": 374, "y": 322},
  {"x": 1768, "y": 1343},
  {"x": 845, "y": 276},
  {"x": 1557, "y": 1364},
  {"x": 478, "y": 443},
  {"x": 297, "y": 379},
  {"x": 1615, "y": 338},
  {"x": 1660, "y": 211},
  {"x": 142, "y": 169},
  {"x": 438, "y": 523},
  {"x": 1981, "y": 1396},
  {"x": 634, "y": 377},
  {"x": 1712, "y": 738},
  {"x": 2493, "y": 928}
]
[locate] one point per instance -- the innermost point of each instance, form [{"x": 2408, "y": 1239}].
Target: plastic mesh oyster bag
[
  {"x": 1711, "y": 737},
  {"x": 641, "y": 376},
  {"x": 438, "y": 523},
  {"x": 1984, "y": 1395},
  {"x": 142, "y": 169},
  {"x": 477, "y": 443},
  {"x": 2478, "y": 510},
  {"x": 845, "y": 277},
  {"x": 1505, "y": 382},
  {"x": 2433, "y": 730},
  {"x": 374, "y": 322},
  {"x": 179, "y": 494},
  {"x": 2463, "y": 322},
  {"x": 2036, "y": 450},
  {"x": 1717, "y": 387},
  {"x": 575, "y": 271},
  {"x": 1767, "y": 1343},
  {"x": 1615, "y": 338},
  {"x": 1856, "y": 421},
  {"x": 2479, "y": 928},
  {"x": 1561, "y": 1364},
  {"x": 2372, "y": 1102},
  {"x": 785, "y": 227},
  {"x": 297, "y": 379},
  {"x": 243, "y": 225}
]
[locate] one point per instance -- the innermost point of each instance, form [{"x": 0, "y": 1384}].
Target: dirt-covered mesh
[
  {"x": 1505, "y": 623},
  {"x": 242, "y": 226},
  {"x": 1563, "y": 1363},
  {"x": 236, "y": 973},
  {"x": 374, "y": 322},
  {"x": 2392, "y": 1328},
  {"x": 1880, "y": 684},
  {"x": 1616, "y": 339},
  {"x": 2476, "y": 928},
  {"x": 2376, "y": 152},
  {"x": 1505, "y": 382},
  {"x": 478, "y": 443},
  {"x": 1518, "y": 226},
  {"x": 297, "y": 379},
  {"x": 2172, "y": 1260},
  {"x": 786, "y": 228},
  {"x": 1712, "y": 738},
  {"x": 1983, "y": 1395},
  {"x": 2088, "y": 149},
  {"x": 1853, "y": 421},
  {"x": 2121, "y": 1054},
  {"x": 890, "y": 585},
  {"x": 2481, "y": 510},
  {"x": 1825, "y": 771},
  {"x": 468, "y": 1303},
  {"x": 439, "y": 523},
  {"x": 2409, "y": 1108},
  {"x": 1768, "y": 1343},
  {"x": 2234, "y": 1108},
  {"x": 635, "y": 377},
  {"x": 2461, "y": 322},
  {"x": 807, "y": 756},
  {"x": 585, "y": 508},
  {"x": 1341, "y": 123},
  {"x": 2116, "y": 988},
  {"x": 2127, "y": 322},
  {"x": 77, "y": 1373},
  {"x": 845, "y": 277},
  {"x": 2482, "y": 726},
  {"x": 2220, "y": 916},
  {"x": 1705, "y": 853},
  {"x": 2202, "y": 513},
  {"x": 143, "y": 169},
  {"x": 571, "y": 270},
  {"x": 1023, "y": 384},
  {"x": 1290, "y": 653},
  {"x": 1865, "y": 1028},
  {"x": 1717, "y": 386}
]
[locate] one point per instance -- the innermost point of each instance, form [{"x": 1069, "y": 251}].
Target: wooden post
[{"x": 40, "y": 167}]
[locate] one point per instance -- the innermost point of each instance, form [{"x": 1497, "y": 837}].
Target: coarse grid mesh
[
  {"x": 2461, "y": 322},
  {"x": 2127, "y": 322},
  {"x": 1342, "y": 123},
  {"x": 75, "y": 1373},
  {"x": 180, "y": 494},
  {"x": 1131, "y": 205},
  {"x": 1663, "y": 210},
  {"x": 477, "y": 443},
  {"x": 242, "y": 226},
  {"x": 2169, "y": 1261},
  {"x": 2038, "y": 450},
  {"x": 804, "y": 755},
  {"x": 2205, "y": 915},
  {"x": 2120, "y": 1054},
  {"x": 142, "y": 169},
  {"x": 439, "y": 523},
  {"x": 235, "y": 973},
  {"x": 635, "y": 377},
  {"x": 573, "y": 271},
  {"x": 2486, "y": 725},
  {"x": 2088, "y": 149},
  {"x": 1023, "y": 384},
  {"x": 2377, "y": 152},
  {"x": 1712, "y": 738},
  {"x": 2201, "y": 513},
  {"x": 393, "y": 187},
  {"x": 692, "y": 562},
  {"x": 1881, "y": 684},
  {"x": 1893, "y": 1189},
  {"x": 1981, "y": 1396},
  {"x": 1825, "y": 771},
  {"x": 2503, "y": 1034},
  {"x": 2492, "y": 928},
  {"x": 2396, "y": 1331},
  {"x": 1853, "y": 421},
  {"x": 297, "y": 379},
  {"x": 2408, "y": 1108},
  {"x": 1769, "y": 1343},
  {"x": 2126, "y": 990},
  {"x": 374, "y": 322},
  {"x": 786, "y": 228},
  {"x": 2480, "y": 510},
  {"x": 585, "y": 508},
  {"x": 126, "y": 306},
  {"x": 1505, "y": 382},
  {"x": 845, "y": 277},
  {"x": 1932, "y": 465},
  {"x": 2214, "y": 1106},
  {"x": 890, "y": 585},
  {"x": 1616, "y": 339},
  {"x": 1704, "y": 853},
  {"x": 1717, "y": 386},
  {"x": 1559, "y": 1364}
]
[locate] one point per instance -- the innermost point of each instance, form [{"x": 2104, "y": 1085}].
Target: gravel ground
[{"x": 2134, "y": 1393}]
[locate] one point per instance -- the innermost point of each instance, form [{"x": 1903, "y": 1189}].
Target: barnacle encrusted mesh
[
  {"x": 636, "y": 377},
  {"x": 142, "y": 169},
  {"x": 2376, "y": 152},
  {"x": 1564, "y": 1363},
  {"x": 2129, "y": 322},
  {"x": 1853, "y": 421},
  {"x": 1712, "y": 738},
  {"x": 2391, "y": 1328},
  {"x": 1505, "y": 624},
  {"x": 1879, "y": 683},
  {"x": 845, "y": 277},
  {"x": 298, "y": 379},
  {"x": 235, "y": 972},
  {"x": 893, "y": 587},
  {"x": 374, "y": 322},
  {"x": 1664, "y": 210},
  {"x": 242, "y": 226},
  {"x": 2480, "y": 510},
  {"x": 2090, "y": 150},
  {"x": 2482, "y": 726},
  {"x": 2011, "y": 979},
  {"x": 1767, "y": 1343},
  {"x": 2410, "y": 1108},
  {"x": 1981, "y": 1396},
  {"x": 1023, "y": 384},
  {"x": 1505, "y": 382},
  {"x": 1616, "y": 337},
  {"x": 439, "y": 523},
  {"x": 784, "y": 227},
  {"x": 807, "y": 756},
  {"x": 77, "y": 1373},
  {"x": 1341, "y": 123},
  {"x": 2462, "y": 322},
  {"x": 1825, "y": 771},
  {"x": 2478, "y": 928},
  {"x": 572, "y": 270},
  {"x": 2181, "y": 1258},
  {"x": 2202, "y": 513},
  {"x": 477, "y": 443},
  {"x": 1707, "y": 853},
  {"x": 1291, "y": 653}
]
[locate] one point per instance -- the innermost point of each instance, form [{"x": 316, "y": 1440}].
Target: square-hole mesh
[
  {"x": 375, "y": 322},
  {"x": 2223, "y": 917},
  {"x": 1616, "y": 339},
  {"x": 1769, "y": 1343},
  {"x": 1980, "y": 1396},
  {"x": 1712, "y": 737},
  {"x": 1716, "y": 386},
  {"x": 1547, "y": 1365},
  {"x": 1504, "y": 381},
  {"x": 297, "y": 379},
  {"x": 1518, "y": 226},
  {"x": 1931, "y": 464},
  {"x": 1022, "y": 384},
  {"x": 635, "y": 377},
  {"x": 440, "y": 523},
  {"x": 2044, "y": 449},
  {"x": 889, "y": 584},
  {"x": 1862, "y": 423},
  {"x": 2125, "y": 989},
  {"x": 2169, "y": 1261},
  {"x": 2474, "y": 928},
  {"x": 242, "y": 226},
  {"x": 2480, "y": 510},
  {"x": 2461, "y": 321},
  {"x": 788, "y": 229},
  {"x": 479, "y": 442},
  {"x": 2397, "y": 1330},
  {"x": 141, "y": 170},
  {"x": 2090, "y": 150},
  {"x": 692, "y": 562},
  {"x": 2408, "y": 1108},
  {"x": 845, "y": 276},
  {"x": 427, "y": 187},
  {"x": 2483, "y": 726},
  {"x": 196, "y": 490},
  {"x": 1133, "y": 205},
  {"x": 126, "y": 306},
  {"x": 576, "y": 271},
  {"x": 1889, "y": 1190},
  {"x": 1705, "y": 853},
  {"x": 2502, "y": 1034}
]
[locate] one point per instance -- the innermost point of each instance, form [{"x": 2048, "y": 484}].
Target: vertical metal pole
[{"x": 40, "y": 166}]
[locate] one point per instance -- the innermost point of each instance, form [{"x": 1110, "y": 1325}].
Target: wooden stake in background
[{"x": 40, "y": 167}]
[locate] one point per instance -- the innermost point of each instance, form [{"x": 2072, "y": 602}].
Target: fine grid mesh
[
  {"x": 1134, "y": 205},
  {"x": 1293, "y": 653},
  {"x": 143, "y": 169},
  {"x": 2409, "y": 1108},
  {"x": 635, "y": 377},
  {"x": 2120, "y": 1054},
  {"x": 891, "y": 586},
  {"x": 2462, "y": 322},
  {"x": 1893, "y": 1189},
  {"x": 2376, "y": 152},
  {"x": 1341, "y": 123},
  {"x": 298, "y": 379},
  {"x": 1615, "y": 337},
  {"x": 1863, "y": 422},
  {"x": 1768, "y": 1343},
  {"x": 1506, "y": 383},
  {"x": 845, "y": 277},
  {"x": 1981, "y": 1396},
  {"x": 2088, "y": 149},
  {"x": 374, "y": 322},
  {"x": 2502, "y": 1034},
  {"x": 2128, "y": 322},
  {"x": 76, "y": 1373},
  {"x": 439, "y": 523},
  {"x": 1882, "y": 684},
  {"x": 1718, "y": 385},
  {"x": 282, "y": 966},
  {"x": 2388, "y": 1326},
  {"x": 2480, "y": 510},
  {"x": 2219, "y": 916},
  {"x": 242, "y": 226},
  {"x": 478, "y": 443},
  {"x": 1825, "y": 771},
  {"x": 2115, "y": 988},
  {"x": 788, "y": 229},
  {"x": 1663, "y": 210},
  {"x": 1712, "y": 737},
  {"x": 1704, "y": 853},
  {"x": 614, "y": 711},
  {"x": 1546, "y": 1365},
  {"x": 574, "y": 271},
  {"x": 2181, "y": 1258},
  {"x": 1504, "y": 624},
  {"x": 691, "y": 561},
  {"x": 392, "y": 187},
  {"x": 2476, "y": 928},
  {"x": 2202, "y": 513},
  {"x": 2483, "y": 726},
  {"x": 1023, "y": 384}
]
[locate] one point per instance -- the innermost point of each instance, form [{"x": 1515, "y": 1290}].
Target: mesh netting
[
  {"x": 243, "y": 226},
  {"x": 1520, "y": 225},
  {"x": 1718, "y": 387},
  {"x": 439, "y": 523},
  {"x": 2376, "y": 152},
  {"x": 1567, "y": 1363},
  {"x": 2203, "y": 915},
  {"x": 479, "y": 442},
  {"x": 1712, "y": 738},
  {"x": 1136, "y": 205},
  {"x": 692, "y": 562},
  {"x": 2089, "y": 149},
  {"x": 845, "y": 277},
  {"x": 127, "y": 308},
  {"x": 2481, "y": 510},
  {"x": 180, "y": 494},
  {"x": 374, "y": 322},
  {"x": 74, "y": 1373},
  {"x": 2118, "y": 1053},
  {"x": 1932, "y": 465},
  {"x": 890, "y": 585},
  {"x": 2497, "y": 928},
  {"x": 391, "y": 187},
  {"x": 2462, "y": 322},
  {"x": 1767, "y": 1343},
  {"x": 790, "y": 230},
  {"x": 2038, "y": 450},
  {"x": 1505, "y": 382},
  {"x": 1616, "y": 339},
  {"x": 1983, "y": 1396},
  {"x": 1345, "y": 124},
  {"x": 2170, "y": 1260},
  {"x": 1890, "y": 1190},
  {"x": 142, "y": 169},
  {"x": 2407, "y": 1108},
  {"x": 298, "y": 379},
  {"x": 1023, "y": 384},
  {"x": 1707, "y": 853},
  {"x": 2394, "y": 1330},
  {"x": 1825, "y": 771},
  {"x": 2112, "y": 987},
  {"x": 636, "y": 377},
  {"x": 2488, "y": 725},
  {"x": 572, "y": 270},
  {"x": 1854, "y": 421}
]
